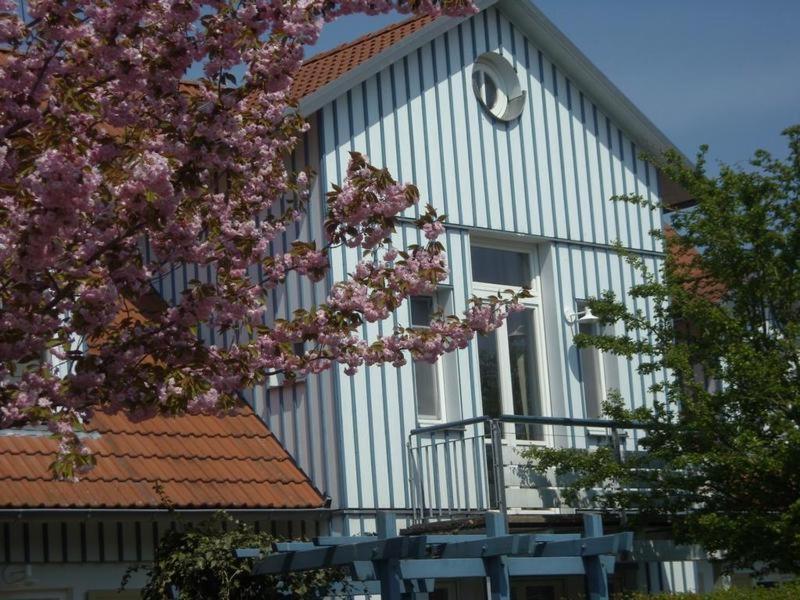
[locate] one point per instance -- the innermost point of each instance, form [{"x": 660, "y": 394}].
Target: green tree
[
  {"x": 723, "y": 446},
  {"x": 197, "y": 561}
]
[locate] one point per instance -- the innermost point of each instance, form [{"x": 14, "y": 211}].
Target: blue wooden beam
[
  {"x": 452, "y": 568},
  {"x": 338, "y": 540},
  {"x": 596, "y": 577},
  {"x": 496, "y": 567},
  {"x": 457, "y": 538},
  {"x": 398, "y": 567},
  {"x": 595, "y": 546},
  {"x": 334, "y": 556},
  {"x": 530, "y": 566},
  {"x": 292, "y": 546},
  {"x": 388, "y": 570}
]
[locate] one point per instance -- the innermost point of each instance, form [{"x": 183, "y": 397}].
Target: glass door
[
  {"x": 510, "y": 360},
  {"x": 510, "y": 375}
]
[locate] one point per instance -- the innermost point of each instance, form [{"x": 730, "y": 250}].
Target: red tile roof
[
  {"x": 685, "y": 262},
  {"x": 326, "y": 67},
  {"x": 201, "y": 462}
]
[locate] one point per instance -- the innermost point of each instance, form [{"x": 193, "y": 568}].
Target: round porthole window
[{"x": 497, "y": 87}]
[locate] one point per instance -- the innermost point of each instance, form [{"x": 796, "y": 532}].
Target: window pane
[
  {"x": 490, "y": 386},
  {"x": 591, "y": 373},
  {"x": 421, "y": 310},
  {"x": 503, "y": 267},
  {"x": 427, "y": 390},
  {"x": 524, "y": 378}
]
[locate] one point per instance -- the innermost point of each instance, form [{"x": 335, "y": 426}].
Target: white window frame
[
  {"x": 484, "y": 290},
  {"x": 438, "y": 366}
]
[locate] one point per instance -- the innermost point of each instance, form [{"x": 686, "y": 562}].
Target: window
[
  {"x": 497, "y": 88},
  {"x": 592, "y": 373},
  {"x": 502, "y": 267},
  {"x": 510, "y": 358},
  {"x": 279, "y": 379},
  {"x": 427, "y": 376},
  {"x": 485, "y": 87},
  {"x": 591, "y": 369}
]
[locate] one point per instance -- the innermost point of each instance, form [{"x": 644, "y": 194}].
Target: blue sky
[{"x": 721, "y": 72}]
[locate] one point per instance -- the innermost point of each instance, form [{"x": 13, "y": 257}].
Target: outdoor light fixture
[{"x": 585, "y": 317}]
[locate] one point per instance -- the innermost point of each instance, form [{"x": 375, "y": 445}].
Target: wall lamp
[{"x": 584, "y": 317}]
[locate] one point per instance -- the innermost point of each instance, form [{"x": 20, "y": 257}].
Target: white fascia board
[
  {"x": 308, "y": 105},
  {"x": 543, "y": 32}
]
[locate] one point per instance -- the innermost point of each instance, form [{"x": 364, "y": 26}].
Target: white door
[{"x": 511, "y": 361}]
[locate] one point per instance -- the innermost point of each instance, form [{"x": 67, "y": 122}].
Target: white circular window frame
[{"x": 510, "y": 100}]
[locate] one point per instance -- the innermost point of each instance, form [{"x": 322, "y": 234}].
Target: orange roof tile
[
  {"x": 685, "y": 261},
  {"x": 326, "y": 67},
  {"x": 201, "y": 462}
]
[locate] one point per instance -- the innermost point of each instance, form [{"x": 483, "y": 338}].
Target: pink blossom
[{"x": 115, "y": 171}]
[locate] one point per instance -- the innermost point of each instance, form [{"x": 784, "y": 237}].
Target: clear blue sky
[{"x": 721, "y": 72}]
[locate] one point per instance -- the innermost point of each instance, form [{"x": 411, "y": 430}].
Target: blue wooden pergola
[{"x": 397, "y": 567}]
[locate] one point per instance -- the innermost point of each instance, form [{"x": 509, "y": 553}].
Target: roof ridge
[{"x": 364, "y": 38}]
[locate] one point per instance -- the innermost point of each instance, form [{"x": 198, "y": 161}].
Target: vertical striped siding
[
  {"x": 550, "y": 175},
  {"x": 113, "y": 540},
  {"x": 582, "y": 273},
  {"x": 302, "y": 416}
]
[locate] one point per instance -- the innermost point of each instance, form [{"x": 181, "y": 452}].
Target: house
[
  {"x": 61, "y": 540},
  {"x": 509, "y": 130}
]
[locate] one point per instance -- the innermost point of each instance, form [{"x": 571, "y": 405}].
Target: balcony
[{"x": 464, "y": 468}]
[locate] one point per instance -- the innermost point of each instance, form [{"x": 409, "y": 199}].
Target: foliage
[
  {"x": 723, "y": 439},
  {"x": 199, "y": 561},
  {"x": 789, "y": 591},
  {"x": 113, "y": 170}
]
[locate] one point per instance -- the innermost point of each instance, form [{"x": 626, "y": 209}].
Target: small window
[
  {"x": 427, "y": 376},
  {"x": 502, "y": 267},
  {"x": 279, "y": 379},
  {"x": 485, "y": 87},
  {"x": 592, "y": 372},
  {"x": 496, "y": 86}
]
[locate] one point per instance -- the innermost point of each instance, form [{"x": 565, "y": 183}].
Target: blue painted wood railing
[{"x": 398, "y": 567}]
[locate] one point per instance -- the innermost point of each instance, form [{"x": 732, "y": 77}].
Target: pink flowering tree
[{"x": 104, "y": 148}]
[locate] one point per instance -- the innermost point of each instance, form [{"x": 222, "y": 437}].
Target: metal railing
[{"x": 466, "y": 467}]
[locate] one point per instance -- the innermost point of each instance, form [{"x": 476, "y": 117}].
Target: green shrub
[{"x": 789, "y": 591}]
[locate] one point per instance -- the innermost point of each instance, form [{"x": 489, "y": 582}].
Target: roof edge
[
  {"x": 544, "y": 33},
  {"x": 112, "y": 512},
  {"x": 313, "y": 102},
  {"x": 534, "y": 23}
]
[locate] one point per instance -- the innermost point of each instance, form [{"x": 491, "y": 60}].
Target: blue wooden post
[
  {"x": 496, "y": 567},
  {"x": 596, "y": 577},
  {"x": 392, "y": 586}
]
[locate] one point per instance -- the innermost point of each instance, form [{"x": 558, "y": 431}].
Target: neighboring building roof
[
  {"x": 201, "y": 461},
  {"x": 685, "y": 261}
]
